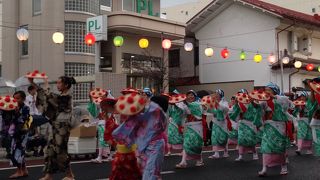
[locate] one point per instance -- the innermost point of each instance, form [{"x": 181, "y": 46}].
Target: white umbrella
[
  {"x": 23, "y": 81},
  {"x": 6, "y": 83}
]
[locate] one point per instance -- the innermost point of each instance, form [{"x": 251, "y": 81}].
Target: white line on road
[{"x": 41, "y": 165}]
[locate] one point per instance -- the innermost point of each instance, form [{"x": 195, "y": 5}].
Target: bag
[
  {"x": 74, "y": 122},
  {"x": 27, "y": 124}
]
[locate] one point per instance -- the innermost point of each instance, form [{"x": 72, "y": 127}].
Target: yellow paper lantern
[
  {"x": 257, "y": 58},
  {"x": 143, "y": 43}
]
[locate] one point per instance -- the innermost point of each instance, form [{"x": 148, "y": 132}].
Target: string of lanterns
[{"x": 118, "y": 41}]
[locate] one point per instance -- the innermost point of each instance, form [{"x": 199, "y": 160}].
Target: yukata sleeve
[
  {"x": 235, "y": 112},
  {"x": 257, "y": 118},
  {"x": 311, "y": 108},
  {"x": 126, "y": 133}
]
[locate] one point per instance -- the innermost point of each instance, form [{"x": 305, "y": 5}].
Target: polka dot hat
[
  {"x": 8, "y": 103},
  {"x": 130, "y": 104}
]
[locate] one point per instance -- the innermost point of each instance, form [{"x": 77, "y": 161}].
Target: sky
[{"x": 168, "y": 3}]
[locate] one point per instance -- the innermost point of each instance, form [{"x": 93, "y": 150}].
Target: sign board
[{"x": 98, "y": 26}]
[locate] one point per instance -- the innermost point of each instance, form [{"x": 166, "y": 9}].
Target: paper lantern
[
  {"x": 22, "y": 34},
  {"x": 144, "y": 43},
  {"x": 298, "y": 64},
  {"x": 285, "y": 60},
  {"x": 319, "y": 68},
  {"x": 257, "y": 58},
  {"x": 188, "y": 46},
  {"x": 90, "y": 39},
  {"x": 310, "y": 67},
  {"x": 272, "y": 58},
  {"x": 58, "y": 37},
  {"x": 224, "y": 53},
  {"x": 208, "y": 52},
  {"x": 118, "y": 41},
  {"x": 243, "y": 56},
  {"x": 166, "y": 44}
]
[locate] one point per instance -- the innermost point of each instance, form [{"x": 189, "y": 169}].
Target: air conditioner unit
[
  {"x": 294, "y": 42},
  {"x": 305, "y": 45}
]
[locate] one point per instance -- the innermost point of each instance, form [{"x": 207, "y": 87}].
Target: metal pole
[
  {"x": 97, "y": 57},
  {"x": 278, "y": 51}
]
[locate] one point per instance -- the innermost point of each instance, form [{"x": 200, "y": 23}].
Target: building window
[
  {"x": 88, "y": 6},
  {"x": 78, "y": 69},
  {"x": 74, "y": 38},
  {"x": 128, "y": 5},
  {"x": 36, "y": 7},
  {"x": 106, "y": 5},
  {"x": 174, "y": 58},
  {"x": 81, "y": 91}
]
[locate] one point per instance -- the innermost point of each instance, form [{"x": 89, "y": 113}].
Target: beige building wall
[{"x": 184, "y": 12}]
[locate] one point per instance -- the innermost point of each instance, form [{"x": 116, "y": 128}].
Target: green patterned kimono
[
  {"x": 219, "y": 134},
  {"x": 234, "y": 115},
  {"x": 193, "y": 133},
  {"x": 315, "y": 126},
  {"x": 177, "y": 116},
  {"x": 304, "y": 119},
  {"x": 274, "y": 139},
  {"x": 250, "y": 120}
]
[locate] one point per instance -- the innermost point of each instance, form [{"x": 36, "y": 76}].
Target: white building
[
  {"x": 183, "y": 12},
  {"x": 252, "y": 26}
]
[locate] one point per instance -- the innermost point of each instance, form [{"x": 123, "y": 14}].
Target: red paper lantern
[
  {"x": 310, "y": 67},
  {"x": 166, "y": 44},
  {"x": 90, "y": 39},
  {"x": 224, "y": 53}
]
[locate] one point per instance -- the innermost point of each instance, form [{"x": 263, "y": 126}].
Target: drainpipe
[
  {"x": 290, "y": 75},
  {"x": 278, "y": 51}
]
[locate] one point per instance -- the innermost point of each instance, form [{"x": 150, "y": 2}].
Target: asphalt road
[{"x": 300, "y": 168}]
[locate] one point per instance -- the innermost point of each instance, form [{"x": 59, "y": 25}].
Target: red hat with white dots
[
  {"x": 130, "y": 104},
  {"x": 8, "y": 103}
]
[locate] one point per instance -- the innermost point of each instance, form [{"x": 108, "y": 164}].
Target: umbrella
[
  {"x": 22, "y": 81},
  {"x": 6, "y": 83},
  {"x": 203, "y": 93}
]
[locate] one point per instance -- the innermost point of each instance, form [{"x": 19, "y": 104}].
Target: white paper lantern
[
  {"x": 298, "y": 64},
  {"x": 22, "y": 34},
  {"x": 58, "y": 37},
  {"x": 188, "y": 46},
  {"x": 285, "y": 60},
  {"x": 272, "y": 58},
  {"x": 208, "y": 52}
]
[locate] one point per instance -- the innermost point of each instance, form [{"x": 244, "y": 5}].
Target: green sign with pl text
[{"x": 143, "y": 5}]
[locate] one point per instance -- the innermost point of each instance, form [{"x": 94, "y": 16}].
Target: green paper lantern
[
  {"x": 243, "y": 55},
  {"x": 118, "y": 41}
]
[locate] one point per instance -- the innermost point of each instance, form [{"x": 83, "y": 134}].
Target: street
[{"x": 300, "y": 168}]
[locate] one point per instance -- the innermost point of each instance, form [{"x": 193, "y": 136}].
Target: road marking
[
  {"x": 41, "y": 165},
  {"x": 167, "y": 172}
]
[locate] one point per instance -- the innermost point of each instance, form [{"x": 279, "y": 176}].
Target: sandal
[
  {"x": 284, "y": 172},
  {"x": 213, "y": 157},
  {"x": 262, "y": 174},
  {"x": 199, "y": 164},
  {"x": 96, "y": 161},
  {"x": 181, "y": 166}
]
